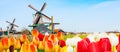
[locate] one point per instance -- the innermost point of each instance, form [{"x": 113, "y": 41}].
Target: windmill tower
[{"x": 11, "y": 26}]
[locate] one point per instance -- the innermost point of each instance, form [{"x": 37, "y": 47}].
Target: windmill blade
[
  {"x": 56, "y": 23},
  {"x": 11, "y": 27},
  {"x": 8, "y": 22},
  {"x": 13, "y": 20},
  {"x": 46, "y": 22},
  {"x": 46, "y": 17},
  {"x": 43, "y": 7},
  {"x": 32, "y": 8},
  {"x": 15, "y": 25},
  {"x": 36, "y": 18}
]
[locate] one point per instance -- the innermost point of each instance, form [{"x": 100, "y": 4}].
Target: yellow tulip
[
  {"x": 17, "y": 44},
  {"x": 40, "y": 46}
]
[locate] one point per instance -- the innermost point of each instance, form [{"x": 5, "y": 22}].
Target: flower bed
[{"x": 97, "y": 42}]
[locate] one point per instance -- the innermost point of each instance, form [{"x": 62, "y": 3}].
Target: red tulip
[
  {"x": 118, "y": 48},
  {"x": 104, "y": 44},
  {"x": 40, "y": 36},
  {"x": 61, "y": 43},
  {"x": 88, "y": 41},
  {"x": 82, "y": 46},
  {"x": 92, "y": 47}
]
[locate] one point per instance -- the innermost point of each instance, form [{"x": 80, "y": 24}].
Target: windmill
[
  {"x": 38, "y": 20},
  {"x": 11, "y": 27}
]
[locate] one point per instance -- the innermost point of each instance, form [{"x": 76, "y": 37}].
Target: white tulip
[
  {"x": 70, "y": 49},
  {"x": 113, "y": 39},
  {"x": 47, "y": 34},
  {"x": 75, "y": 40},
  {"x": 91, "y": 38},
  {"x": 68, "y": 41}
]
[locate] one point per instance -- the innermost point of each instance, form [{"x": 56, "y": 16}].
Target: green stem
[{"x": 18, "y": 50}]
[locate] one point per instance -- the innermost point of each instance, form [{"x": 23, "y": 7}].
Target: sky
[{"x": 73, "y": 15}]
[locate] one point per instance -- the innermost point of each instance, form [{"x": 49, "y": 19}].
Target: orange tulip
[
  {"x": 5, "y": 43},
  {"x": 53, "y": 38},
  {"x": 35, "y": 32},
  {"x": 60, "y": 36},
  {"x": 24, "y": 38},
  {"x": 33, "y": 48},
  {"x": 49, "y": 47},
  {"x": 12, "y": 41}
]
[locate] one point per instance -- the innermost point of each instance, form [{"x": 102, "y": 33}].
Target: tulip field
[{"x": 59, "y": 42}]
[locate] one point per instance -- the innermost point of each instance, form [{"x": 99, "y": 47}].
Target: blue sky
[{"x": 73, "y": 15}]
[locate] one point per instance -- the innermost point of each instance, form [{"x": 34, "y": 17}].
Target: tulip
[
  {"x": 64, "y": 49},
  {"x": 23, "y": 39},
  {"x": 91, "y": 38},
  {"x": 57, "y": 48},
  {"x": 25, "y": 47},
  {"x": 104, "y": 44},
  {"x": 40, "y": 36},
  {"x": 75, "y": 40},
  {"x": 100, "y": 35},
  {"x": 35, "y": 40},
  {"x": 1, "y": 48},
  {"x": 40, "y": 46},
  {"x": 82, "y": 46},
  {"x": 17, "y": 45},
  {"x": 68, "y": 41},
  {"x": 12, "y": 41},
  {"x": 118, "y": 48},
  {"x": 61, "y": 43},
  {"x": 33, "y": 48},
  {"x": 53, "y": 38},
  {"x": 49, "y": 47},
  {"x": 5, "y": 43},
  {"x": 113, "y": 39},
  {"x": 60, "y": 49},
  {"x": 44, "y": 40},
  {"x": 92, "y": 47},
  {"x": 60, "y": 36},
  {"x": 47, "y": 34},
  {"x": 70, "y": 49},
  {"x": 35, "y": 32},
  {"x": 119, "y": 38}
]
